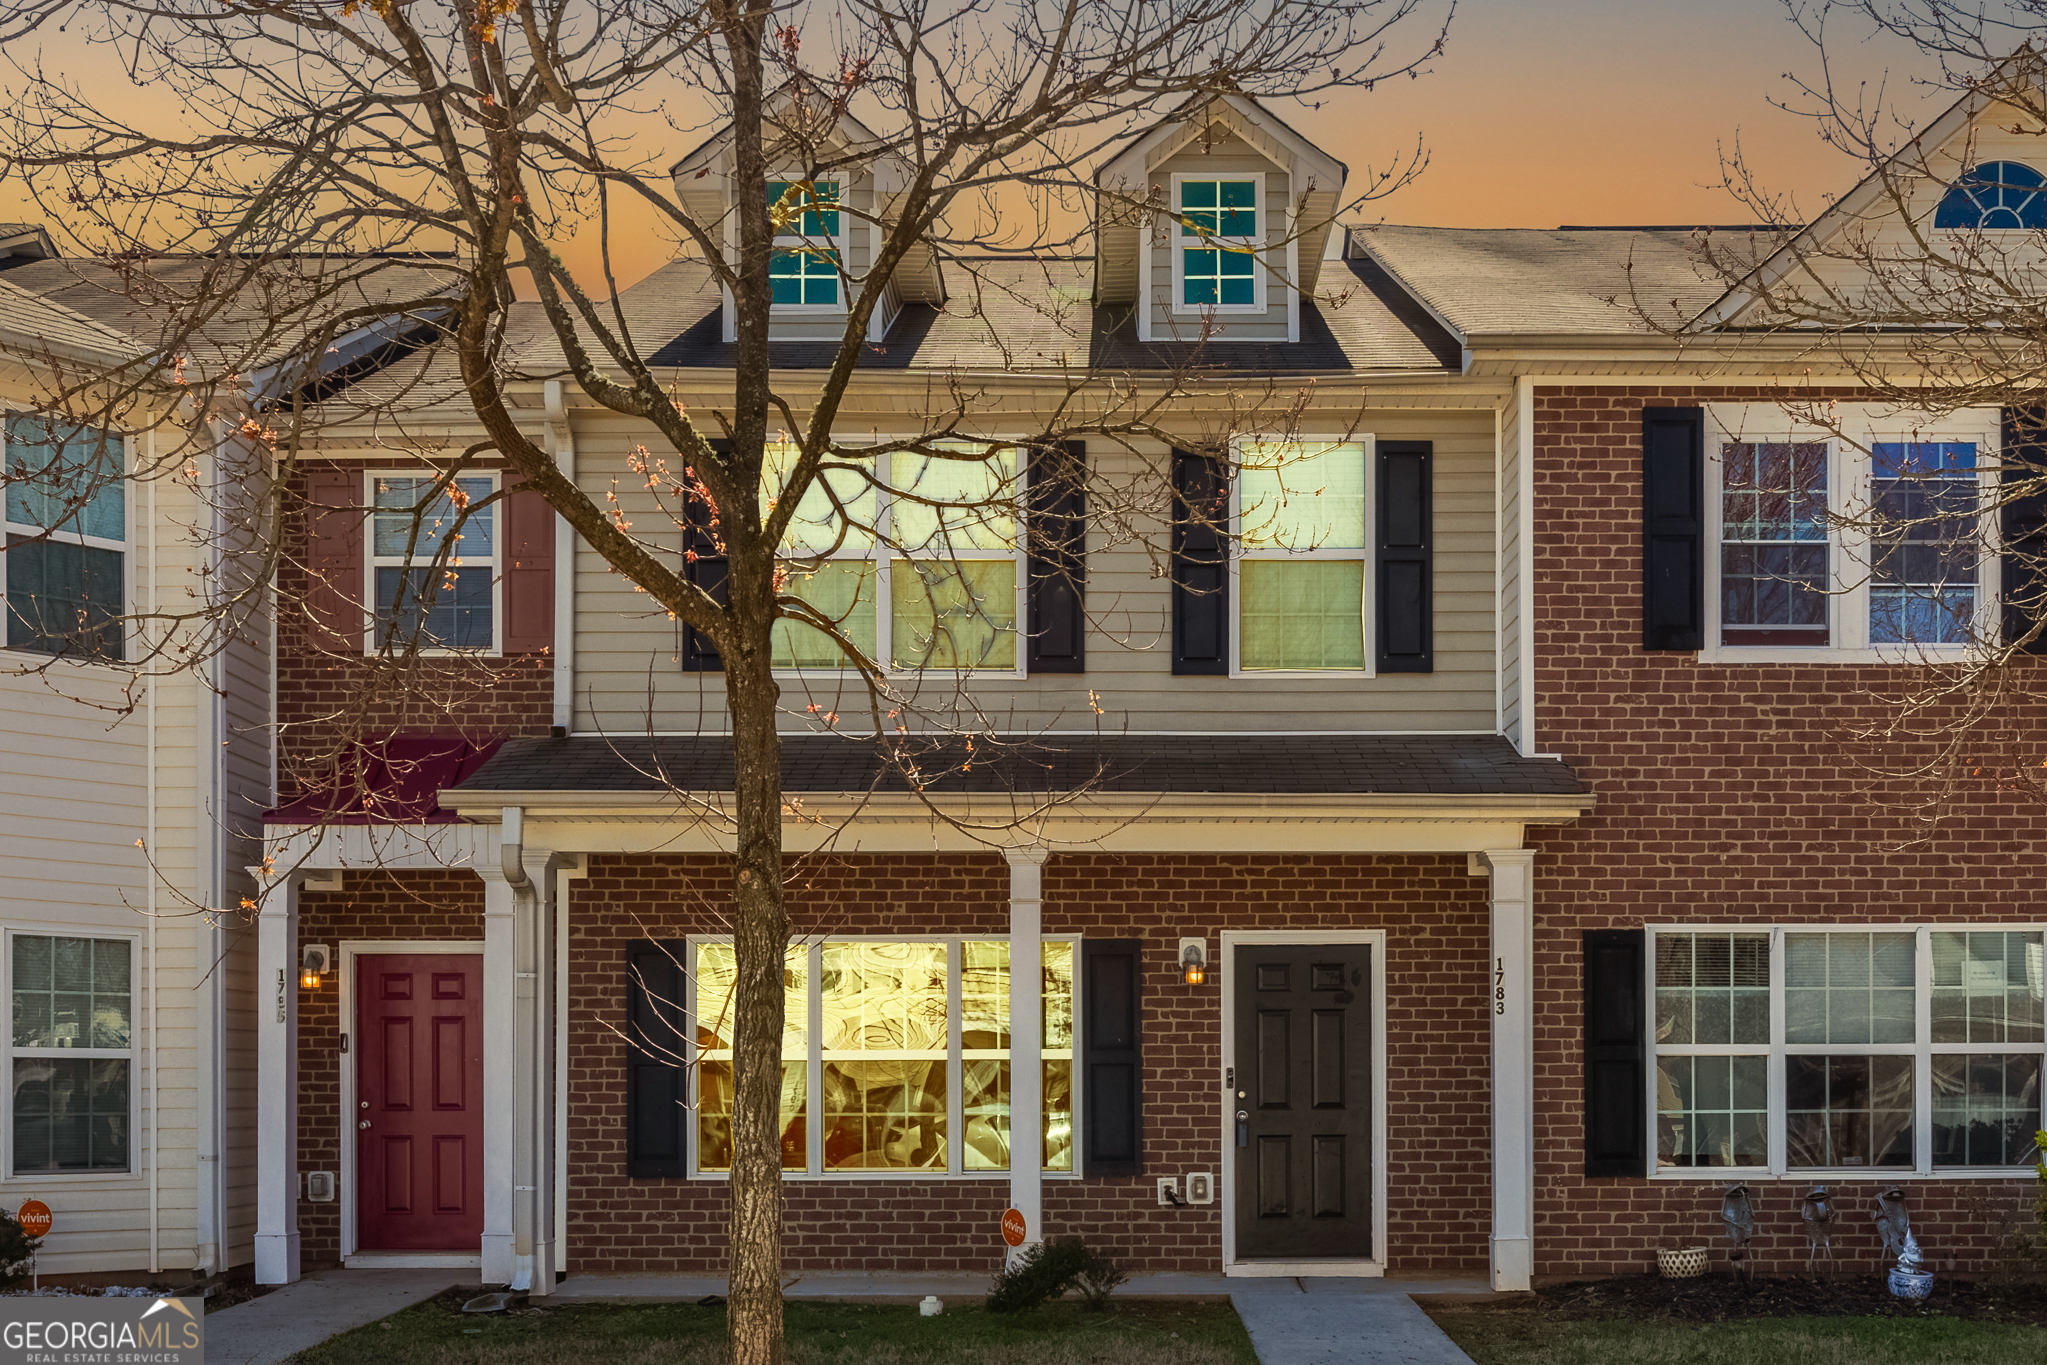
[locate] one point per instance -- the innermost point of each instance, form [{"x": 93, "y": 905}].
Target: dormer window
[
  {"x": 1218, "y": 237},
  {"x": 803, "y": 272}
]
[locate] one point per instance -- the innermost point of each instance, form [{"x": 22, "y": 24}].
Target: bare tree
[{"x": 351, "y": 184}]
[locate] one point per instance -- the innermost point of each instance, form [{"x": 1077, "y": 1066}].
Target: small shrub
[
  {"x": 15, "y": 1250},
  {"x": 1049, "y": 1269},
  {"x": 1099, "y": 1280}
]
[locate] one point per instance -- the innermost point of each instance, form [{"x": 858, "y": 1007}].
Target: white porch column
[
  {"x": 1026, "y": 1039},
  {"x": 277, "y": 1083},
  {"x": 500, "y": 1066},
  {"x": 1511, "y": 991},
  {"x": 518, "y": 1082}
]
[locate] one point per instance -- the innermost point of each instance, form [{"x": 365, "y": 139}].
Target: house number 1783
[
  {"x": 281, "y": 988},
  {"x": 1499, "y": 985}
]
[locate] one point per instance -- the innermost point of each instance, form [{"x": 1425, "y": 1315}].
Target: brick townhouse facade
[{"x": 1536, "y": 914}]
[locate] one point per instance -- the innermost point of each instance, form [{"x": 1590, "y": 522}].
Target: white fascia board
[
  {"x": 348, "y": 348},
  {"x": 1849, "y": 207}
]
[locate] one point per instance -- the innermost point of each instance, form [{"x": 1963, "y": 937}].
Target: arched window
[{"x": 1997, "y": 194}]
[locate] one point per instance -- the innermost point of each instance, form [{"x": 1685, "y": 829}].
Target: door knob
[
  {"x": 366, "y": 1123},
  {"x": 1243, "y": 1128}
]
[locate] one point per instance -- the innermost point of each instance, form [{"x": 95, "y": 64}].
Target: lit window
[
  {"x": 804, "y": 268},
  {"x": 66, "y": 538},
  {"x": 911, "y": 1062},
  {"x": 953, "y": 577},
  {"x": 73, "y": 1047},
  {"x": 1846, "y": 1050},
  {"x": 1217, "y": 262},
  {"x": 433, "y": 562},
  {"x": 1301, "y": 562},
  {"x": 1997, "y": 194}
]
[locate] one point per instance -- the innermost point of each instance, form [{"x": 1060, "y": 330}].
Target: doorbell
[
  {"x": 320, "y": 1186},
  {"x": 1200, "y": 1187}
]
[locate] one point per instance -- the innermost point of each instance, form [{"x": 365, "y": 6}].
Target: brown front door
[
  {"x": 1303, "y": 1104},
  {"x": 419, "y": 1101}
]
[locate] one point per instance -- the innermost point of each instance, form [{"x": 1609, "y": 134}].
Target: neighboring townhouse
[
  {"x": 127, "y": 812},
  {"x": 1536, "y": 905}
]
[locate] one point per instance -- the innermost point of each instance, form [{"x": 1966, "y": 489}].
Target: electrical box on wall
[
  {"x": 1200, "y": 1187},
  {"x": 320, "y": 1186},
  {"x": 1169, "y": 1191}
]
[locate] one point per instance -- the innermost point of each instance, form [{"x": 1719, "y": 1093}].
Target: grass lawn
[
  {"x": 1493, "y": 1337},
  {"x": 1128, "y": 1332}
]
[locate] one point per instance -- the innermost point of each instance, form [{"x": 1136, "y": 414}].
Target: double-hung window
[
  {"x": 895, "y": 1056},
  {"x": 941, "y": 587},
  {"x": 1890, "y": 1048},
  {"x": 73, "y": 1050},
  {"x": 67, "y": 539},
  {"x": 803, "y": 271},
  {"x": 1862, "y": 545},
  {"x": 1215, "y": 257},
  {"x": 1302, "y": 549},
  {"x": 433, "y": 562}
]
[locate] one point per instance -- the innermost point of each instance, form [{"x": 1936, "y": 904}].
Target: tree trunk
[{"x": 760, "y": 931}]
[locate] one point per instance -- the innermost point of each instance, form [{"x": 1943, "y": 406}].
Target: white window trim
[
  {"x": 125, "y": 547},
  {"x": 1238, "y": 553},
  {"x": 1848, "y": 489},
  {"x": 1176, "y": 241},
  {"x": 883, "y": 557},
  {"x": 1226, "y": 1182},
  {"x": 132, "y": 1054},
  {"x": 837, "y": 241},
  {"x": 1921, "y": 1051},
  {"x": 371, "y": 562},
  {"x": 955, "y": 1134}
]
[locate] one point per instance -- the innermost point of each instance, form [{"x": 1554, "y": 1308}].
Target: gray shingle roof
[
  {"x": 1223, "y": 765},
  {"x": 26, "y": 318},
  {"x": 1492, "y": 281}
]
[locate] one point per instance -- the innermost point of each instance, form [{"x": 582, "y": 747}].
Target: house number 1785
[{"x": 1499, "y": 985}]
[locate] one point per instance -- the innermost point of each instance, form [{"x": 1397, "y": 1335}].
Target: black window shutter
[
  {"x": 1616, "y": 1054},
  {"x": 704, "y": 565},
  {"x": 1112, "y": 1057},
  {"x": 656, "y": 1080},
  {"x": 1200, "y": 568},
  {"x": 1057, "y": 545},
  {"x": 1404, "y": 557},
  {"x": 1673, "y": 527},
  {"x": 2023, "y": 526}
]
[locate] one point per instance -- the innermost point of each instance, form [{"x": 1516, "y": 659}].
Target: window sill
[
  {"x": 78, "y": 1178},
  {"x": 1221, "y": 309},
  {"x": 1897, "y": 656},
  {"x": 1254, "y": 674}
]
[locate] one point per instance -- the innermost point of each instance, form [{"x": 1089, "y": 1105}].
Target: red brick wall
[
  {"x": 424, "y": 906},
  {"x": 1725, "y": 794},
  {"x": 1434, "y": 915},
  {"x": 323, "y": 696}
]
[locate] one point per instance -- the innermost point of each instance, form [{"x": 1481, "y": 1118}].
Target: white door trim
[
  {"x": 344, "y": 1179},
  {"x": 1227, "y": 1189}
]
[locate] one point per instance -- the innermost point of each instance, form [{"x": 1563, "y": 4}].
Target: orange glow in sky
[{"x": 1540, "y": 113}]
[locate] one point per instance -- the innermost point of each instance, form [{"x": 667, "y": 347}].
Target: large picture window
[
  {"x": 1866, "y": 545},
  {"x": 66, "y": 531},
  {"x": 896, "y": 1056},
  {"x": 1302, "y": 549},
  {"x": 433, "y": 562},
  {"x": 73, "y": 1048},
  {"x": 1801, "y": 1049}
]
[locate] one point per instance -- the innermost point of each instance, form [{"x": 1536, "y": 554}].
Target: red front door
[{"x": 419, "y": 1101}]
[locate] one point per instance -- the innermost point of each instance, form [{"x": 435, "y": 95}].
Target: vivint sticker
[{"x": 86, "y": 1331}]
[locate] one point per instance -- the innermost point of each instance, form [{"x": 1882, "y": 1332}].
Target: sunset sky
[{"x": 1540, "y": 113}]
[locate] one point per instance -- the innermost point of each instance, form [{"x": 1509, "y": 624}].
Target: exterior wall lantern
[
  {"x": 314, "y": 963},
  {"x": 1194, "y": 960}
]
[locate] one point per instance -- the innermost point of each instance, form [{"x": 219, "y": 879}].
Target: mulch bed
[{"x": 1723, "y": 1298}]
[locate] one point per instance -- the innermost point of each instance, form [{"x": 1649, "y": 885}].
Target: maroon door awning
[{"x": 389, "y": 780}]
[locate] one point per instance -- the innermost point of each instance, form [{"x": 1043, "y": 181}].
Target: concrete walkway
[
  {"x": 264, "y": 1331},
  {"x": 1345, "y": 1322}
]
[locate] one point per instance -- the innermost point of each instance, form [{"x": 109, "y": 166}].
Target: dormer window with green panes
[
  {"x": 804, "y": 270},
  {"x": 1218, "y": 233}
]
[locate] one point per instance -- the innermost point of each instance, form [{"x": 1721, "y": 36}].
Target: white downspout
[
  {"x": 525, "y": 1107},
  {"x": 155, "y": 1150},
  {"x": 564, "y": 566},
  {"x": 212, "y": 1251}
]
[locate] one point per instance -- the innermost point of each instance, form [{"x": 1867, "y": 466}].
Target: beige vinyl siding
[
  {"x": 1510, "y": 587},
  {"x": 1224, "y": 157},
  {"x": 629, "y": 677}
]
